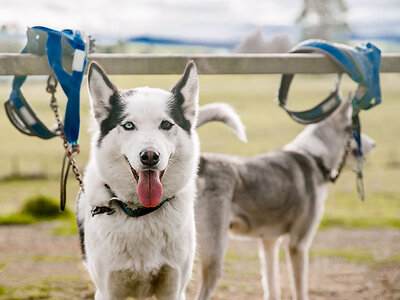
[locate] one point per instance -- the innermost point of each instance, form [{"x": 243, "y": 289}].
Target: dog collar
[
  {"x": 134, "y": 213},
  {"x": 326, "y": 173}
]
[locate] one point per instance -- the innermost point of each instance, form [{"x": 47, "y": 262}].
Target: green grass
[
  {"x": 66, "y": 228},
  {"x": 355, "y": 255},
  {"x": 17, "y": 219},
  {"x": 55, "y": 259},
  {"x": 36, "y": 209},
  {"x": 395, "y": 258},
  {"x": 268, "y": 127},
  {"x": 359, "y": 223}
]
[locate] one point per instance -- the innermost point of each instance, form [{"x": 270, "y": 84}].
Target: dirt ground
[{"x": 36, "y": 264}]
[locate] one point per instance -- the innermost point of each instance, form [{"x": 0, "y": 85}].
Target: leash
[
  {"x": 342, "y": 163},
  {"x": 360, "y": 161},
  {"x": 70, "y": 150},
  {"x": 56, "y": 45},
  {"x": 133, "y": 213},
  {"x": 362, "y": 64}
]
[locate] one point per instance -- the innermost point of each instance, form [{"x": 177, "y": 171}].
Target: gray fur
[{"x": 266, "y": 197}]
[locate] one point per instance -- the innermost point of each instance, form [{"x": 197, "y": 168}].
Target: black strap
[
  {"x": 141, "y": 211},
  {"x": 35, "y": 127},
  {"x": 326, "y": 173},
  {"x": 313, "y": 115},
  {"x": 134, "y": 213}
]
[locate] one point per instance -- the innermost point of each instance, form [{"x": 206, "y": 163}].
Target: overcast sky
[{"x": 215, "y": 20}]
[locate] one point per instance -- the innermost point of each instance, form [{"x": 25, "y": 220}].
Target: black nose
[{"x": 149, "y": 158}]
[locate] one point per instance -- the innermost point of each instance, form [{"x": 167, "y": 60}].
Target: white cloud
[{"x": 218, "y": 20}]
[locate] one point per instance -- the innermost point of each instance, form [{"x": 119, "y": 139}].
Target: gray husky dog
[
  {"x": 268, "y": 197},
  {"x": 136, "y": 214}
]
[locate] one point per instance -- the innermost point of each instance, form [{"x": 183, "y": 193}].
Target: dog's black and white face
[{"x": 145, "y": 143}]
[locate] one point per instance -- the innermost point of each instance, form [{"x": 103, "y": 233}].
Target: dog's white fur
[{"x": 152, "y": 254}]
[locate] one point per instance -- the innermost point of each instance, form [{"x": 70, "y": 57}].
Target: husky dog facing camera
[{"x": 135, "y": 215}]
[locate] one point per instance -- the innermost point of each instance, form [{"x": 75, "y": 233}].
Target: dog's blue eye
[
  {"x": 128, "y": 126},
  {"x": 165, "y": 125}
]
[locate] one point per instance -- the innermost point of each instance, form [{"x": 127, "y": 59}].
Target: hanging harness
[
  {"x": 362, "y": 64},
  {"x": 56, "y": 44}
]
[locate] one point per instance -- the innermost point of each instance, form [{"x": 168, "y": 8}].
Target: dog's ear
[
  {"x": 346, "y": 107},
  {"x": 100, "y": 90},
  {"x": 185, "y": 93},
  {"x": 342, "y": 115}
]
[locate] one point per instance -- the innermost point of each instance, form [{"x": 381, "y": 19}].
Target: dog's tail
[{"x": 224, "y": 113}]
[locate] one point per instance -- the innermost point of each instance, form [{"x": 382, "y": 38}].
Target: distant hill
[{"x": 179, "y": 42}]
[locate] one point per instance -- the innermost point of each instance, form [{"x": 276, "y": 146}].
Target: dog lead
[{"x": 56, "y": 44}]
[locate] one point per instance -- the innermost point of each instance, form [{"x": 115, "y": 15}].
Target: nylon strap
[
  {"x": 362, "y": 64},
  {"x": 56, "y": 44},
  {"x": 315, "y": 114}
]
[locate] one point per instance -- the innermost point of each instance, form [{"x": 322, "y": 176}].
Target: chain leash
[
  {"x": 70, "y": 150},
  {"x": 342, "y": 163}
]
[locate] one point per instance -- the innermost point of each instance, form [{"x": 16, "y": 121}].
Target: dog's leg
[
  {"x": 212, "y": 241},
  {"x": 299, "y": 259},
  {"x": 212, "y": 252},
  {"x": 168, "y": 285},
  {"x": 211, "y": 271},
  {"x": 290, "y": 272},
  {"x": 269, "y": 256},
  {"x": 101, "y": 296}
]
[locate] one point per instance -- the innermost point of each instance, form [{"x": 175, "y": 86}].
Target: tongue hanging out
[{"x": 149, "y": 187}]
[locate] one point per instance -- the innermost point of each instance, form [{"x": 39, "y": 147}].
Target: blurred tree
[
  {"x": 11, "y": 38},
  {"x": 324, "y": 19}
]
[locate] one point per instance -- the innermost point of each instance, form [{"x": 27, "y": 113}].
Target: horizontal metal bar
[{"x": 29, "y": 64}]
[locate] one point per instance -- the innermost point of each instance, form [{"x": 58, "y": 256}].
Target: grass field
[{"x": 268, "y": 127}]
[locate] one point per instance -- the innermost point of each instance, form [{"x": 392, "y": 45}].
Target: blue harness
[
  {"x": 362, "y": 64},
  {"x": 56, "y": 44}
]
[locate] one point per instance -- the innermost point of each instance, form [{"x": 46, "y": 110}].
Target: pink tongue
[{"x": 149, "y": 187}]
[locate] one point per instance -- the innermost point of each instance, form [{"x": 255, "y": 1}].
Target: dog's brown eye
[
  {"x": 165, "y": 125},
  {"x": 128, "y": 126}
]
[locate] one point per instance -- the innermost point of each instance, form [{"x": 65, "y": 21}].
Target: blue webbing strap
[
  {"x": 71, "y": 84},
  {"x": 362, "y": 64},
  {"x": 19, "y": 111}
]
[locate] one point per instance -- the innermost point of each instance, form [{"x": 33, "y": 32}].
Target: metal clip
[{"x": 101, "y": 210}]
